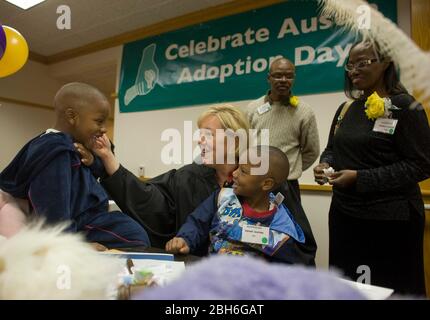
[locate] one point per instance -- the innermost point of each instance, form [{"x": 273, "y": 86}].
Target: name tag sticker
[
  {"x": 385, "y": 125},
  {"x": 264, "y": 108},
  {"x": 279, "y": 198},
  {"x": 255, "y": 234}
]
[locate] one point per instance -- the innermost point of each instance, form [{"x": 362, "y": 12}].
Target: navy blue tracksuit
[{"x": 48, "y": 172}]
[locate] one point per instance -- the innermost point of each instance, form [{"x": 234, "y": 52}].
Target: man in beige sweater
[{"x": 291, "y": 122}]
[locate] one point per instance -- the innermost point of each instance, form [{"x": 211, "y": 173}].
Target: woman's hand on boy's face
[
  {"x": 102, "y": 146},
  {"x": 87, "y": 157}
]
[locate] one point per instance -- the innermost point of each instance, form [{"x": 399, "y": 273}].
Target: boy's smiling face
[
  {"x": 247, "y": 185},
  {"x": 90, "y": 122}
]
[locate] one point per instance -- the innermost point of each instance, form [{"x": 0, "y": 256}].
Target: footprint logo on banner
[{"x": 147, "y": 76}]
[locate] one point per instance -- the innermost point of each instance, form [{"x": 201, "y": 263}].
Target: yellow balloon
[{"x": 16, "y": 53}]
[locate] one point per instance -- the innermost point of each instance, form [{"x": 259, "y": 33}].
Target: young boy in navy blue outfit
[
  {"x": 48, "y": 172},
  {"x": 244, "y": 219}
]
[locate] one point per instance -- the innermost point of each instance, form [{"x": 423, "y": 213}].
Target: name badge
[
  {"x": 264, "y": 108},
  {"x": 385, "y": 125},
  {"x": 255, "y": 234},
  {"x": 279, "y": 198}
]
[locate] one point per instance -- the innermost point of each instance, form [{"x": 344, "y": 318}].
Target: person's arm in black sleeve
[
  {"x": 97, "y": 168},
  {"x": 152, "y": 205},
  {"x": 293, "y": 251},
  {"x": 290, "y": 253},
  {"x": 412, "y": 141},
  {"x": 195, "y": 231}
]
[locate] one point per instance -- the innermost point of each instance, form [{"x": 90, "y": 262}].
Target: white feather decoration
[{"x": 413, "y": 63}]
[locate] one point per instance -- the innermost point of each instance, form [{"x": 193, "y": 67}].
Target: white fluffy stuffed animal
[{"x": 46, "y": 263}]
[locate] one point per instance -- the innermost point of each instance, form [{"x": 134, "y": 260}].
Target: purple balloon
[{"x": 2, "y": 41}]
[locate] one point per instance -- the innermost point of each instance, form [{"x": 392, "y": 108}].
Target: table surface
[{"x": 187, "y": 259}]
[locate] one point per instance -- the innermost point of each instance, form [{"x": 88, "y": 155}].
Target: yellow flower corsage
[
  {"x": 294, "y": 101},
  {"x": 375, "y": 106}
]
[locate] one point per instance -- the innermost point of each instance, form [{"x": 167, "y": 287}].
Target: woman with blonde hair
[
  {"x": 234, "y": 125},
  {"x": 163, "y": 203}
]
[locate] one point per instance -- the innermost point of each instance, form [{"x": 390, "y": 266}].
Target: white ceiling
[{"x": 91, "y": 20}]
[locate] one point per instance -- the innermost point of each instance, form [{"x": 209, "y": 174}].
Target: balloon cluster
[{"x": 13, "y": 51}]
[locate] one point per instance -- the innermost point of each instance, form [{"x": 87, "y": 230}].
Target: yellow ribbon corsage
[
  {"x": 294, "y": 101},
  {"x": 375, "y": 106}
]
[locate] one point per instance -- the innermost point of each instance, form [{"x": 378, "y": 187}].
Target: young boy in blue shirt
[
  {"x": 247, "y": 218},
  {"x": 48, "y": 172}
]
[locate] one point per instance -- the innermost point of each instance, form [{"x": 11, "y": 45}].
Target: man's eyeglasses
[
  {"x": 280, "y": 76},
  {"x": 359, "y": 65}
]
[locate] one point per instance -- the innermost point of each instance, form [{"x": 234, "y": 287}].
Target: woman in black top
[{"x": 376, "y": 219}]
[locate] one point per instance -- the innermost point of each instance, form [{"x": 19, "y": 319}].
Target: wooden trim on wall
[
  {"x": 38, "y": 57},
  {"x": 420, "y": 24},
  {"x": 426, "y": 249},
  {"x": 36, "y": 105},
  {"x": 27, "y": 103},
  {"x": 226, "y": 9},
  {"x": 315, "y": 187},
  {"x": 311, "y": 187}
]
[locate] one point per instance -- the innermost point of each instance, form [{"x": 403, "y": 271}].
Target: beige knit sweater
[{"x": 291, "y": 129}]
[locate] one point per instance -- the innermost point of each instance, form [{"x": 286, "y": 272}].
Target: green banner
[{"x": 228, "y": 59}]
